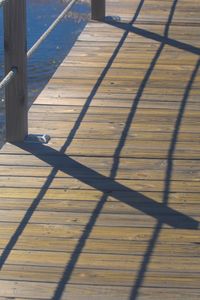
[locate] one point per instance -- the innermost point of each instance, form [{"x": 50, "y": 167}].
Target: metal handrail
[
  {"x": 49, "y": 30},
  {"x": 10, "y": 76},
  {"x": 15, "y": 82}
]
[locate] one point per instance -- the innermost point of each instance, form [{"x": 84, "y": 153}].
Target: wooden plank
[
  {"x": 103, "y": 246},
  {"x": 97, "y": 276},
  {"x": 107, "y": 184},
  {"x": 103, "y": 232},
  {"x": 109, "y": 209},
  {"x": 110, "y": 216}
]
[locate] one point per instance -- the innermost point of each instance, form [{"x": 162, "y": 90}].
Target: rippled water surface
[{"x": 43, "y": 63}]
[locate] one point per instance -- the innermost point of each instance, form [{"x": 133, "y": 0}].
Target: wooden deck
[{"x": 109, "y": 209}]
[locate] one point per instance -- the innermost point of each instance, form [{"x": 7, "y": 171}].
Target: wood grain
[{"x": 109, "y": 209}]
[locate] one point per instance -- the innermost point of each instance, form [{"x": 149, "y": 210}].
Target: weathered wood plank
[{"x": 109, "y": 209}]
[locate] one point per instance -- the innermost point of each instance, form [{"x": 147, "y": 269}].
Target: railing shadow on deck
[
  {"x": 167, "y": 186},
  {"x": 60, "y": 161},
  {"x": 164, "y": 40}
]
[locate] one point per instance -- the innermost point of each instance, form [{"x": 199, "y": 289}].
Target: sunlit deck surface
[{"x": 109, "y": 209}]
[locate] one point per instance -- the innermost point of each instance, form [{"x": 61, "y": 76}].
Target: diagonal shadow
[
  {"x": 162, "y": 213},
  {"x": 60, "y": 161},
  {"x": 169, "y": 171},
  {"x": 69, "y": 268},
  {"x": 157, "y": 230},
  {"x": 96, "y": 180},
  {"x": 165, "y": 40},
  {"x": 140, "y": 91},
  {"x": 78, "y": 249},
  {"x": 13, "y": 240},
  {"x": 154, "y": 36}
]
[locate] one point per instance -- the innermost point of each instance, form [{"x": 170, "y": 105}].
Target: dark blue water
[{"x": 43, "y": 63}]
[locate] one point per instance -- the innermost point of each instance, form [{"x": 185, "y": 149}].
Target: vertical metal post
[
  {"x": 15, "y": 57},
  {"x": 98, "y": 9}
]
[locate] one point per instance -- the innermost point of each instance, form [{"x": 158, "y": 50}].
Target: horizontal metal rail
[
  {"x": 15, "y": 61},
  {"x": 8, "y": 78},
  {"x": 51, "y": 27}
]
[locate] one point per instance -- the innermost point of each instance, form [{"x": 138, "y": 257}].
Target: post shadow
[
  {"x": 154, "y": 36},
  {"x": 69, "y": 268},
  {"x": 59, "y": 161},
  {"x": 169, "y": 171},
  {"x": 34, "y": 149},
  {"x": 164, "y": 40}
]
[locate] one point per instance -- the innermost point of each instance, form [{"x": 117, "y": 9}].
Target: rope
[
  {"x": 51, "y": 27},
  {"x": 6, "y": 80}
]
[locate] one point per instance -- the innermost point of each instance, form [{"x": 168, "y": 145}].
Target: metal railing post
[
  {"x": 98, "y": 9},
  {"x": 16, "y": 58}
]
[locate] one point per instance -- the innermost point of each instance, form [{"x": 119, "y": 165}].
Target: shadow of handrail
[
  {"x": 156, "y": 37},
  {"x": 69, "y": 140},
  {"x": 145, "y": 204},
  {"x": 160, "y": 211},
  {"x": 172, "y": 148},
  {"x": 169, "y": 171}
]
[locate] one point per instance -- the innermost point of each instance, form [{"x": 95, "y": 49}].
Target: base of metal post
[
  {"x": 112, "y": 19},
  {"x": 37, "y": 138}
]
